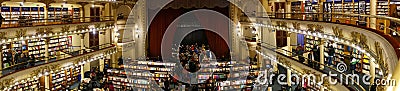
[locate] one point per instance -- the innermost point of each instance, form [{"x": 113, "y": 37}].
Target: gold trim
[
  {"x": 44, "y": 30},
  {"x": 296, "y": 25},
  {"x": 3, "y": 35},
  {"x": 338, "y": 31},
  {"x": 65, "y": 28},
  {"x": 21, "y": 33}
]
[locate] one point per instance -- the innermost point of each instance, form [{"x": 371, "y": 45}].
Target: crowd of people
[
  {"x": 189, "y": 56},
  {"x": 313, "y": 56},
  {"x": 96, "y": 79}
]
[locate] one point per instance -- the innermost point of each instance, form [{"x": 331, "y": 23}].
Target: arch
[{"x": 124, "y": 9}]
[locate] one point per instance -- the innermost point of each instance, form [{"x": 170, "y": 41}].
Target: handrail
[
  {"x": 320, "y": 17},
  {"x": 318, "y": 63},
  {"x": 333, "y": 13},
  {"x": 64, "y": 56},
  {"x": 53, "y": 21}
]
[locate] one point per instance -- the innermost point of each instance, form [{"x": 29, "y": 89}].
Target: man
[
  {"x": 300, "y": 51},
  {"x": 316, "y": 54},
  {"x": 310, "y": 58},
  {"x": 1, "y": 20},
  {"x": 331, "y": 53}
]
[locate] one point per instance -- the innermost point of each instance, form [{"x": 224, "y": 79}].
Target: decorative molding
[
  {"x": 381, "y": 61},
  {"x": 337, "y": 31},
  {"x": 45, "y": 30},
  {"x": 114, "y": 5},
  {"x": 3, "y": 35},
  {"x": 319, "y": 28},
  {"x": 296, "y": 25},
  {"x": 21, "y": 33},
  {"x": 360, "y": 39},
  {"x": 315, "y": 28},
  {"x": 281, "y": 23},
  {"x": 97, "y": 25},
  {"x": 82, "y": 27},
  {"x": 65, "y": 28}
]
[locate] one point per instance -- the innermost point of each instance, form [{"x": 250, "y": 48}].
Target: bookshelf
[
  {"x": 57, "y": 80},
  {"x": 36, "y": 47},
  {"x": 297, "y": 7},
  {"x": 30, "y": 84},
  {"x": 76, "y": 13},
  {"x": 382, "y": 7}
]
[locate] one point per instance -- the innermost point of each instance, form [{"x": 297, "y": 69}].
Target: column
[
  {"x": 321, "y": 54},
  {"x": 102, "y": 38},
  {"x": 288, "y": 9},
  {"x": 372, "y": 21},
  {"x": 83, "y": 4},
  {"x": 47, "y": 82},
  {"x": 101, "y": 63},
  {"x": 46, "y": 49},
  {"x": 82, "y": 71},
  {"x": 82, "y": 35},
  {"x": 372, "y": 71},
  {"x": 45, "y": 10},
  {"x": 321, "y": 5},
  {"x": 289, "y": 47},
  {"x": 289, "y": 79},
  {"x": 1, "y": 61}
]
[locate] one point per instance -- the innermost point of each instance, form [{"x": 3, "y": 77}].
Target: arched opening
[
  {"x": 164, "y": 18},
  {"x": 201, "y": 43}
]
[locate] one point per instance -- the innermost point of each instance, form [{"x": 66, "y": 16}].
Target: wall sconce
[{"x": 137, "y": 32}]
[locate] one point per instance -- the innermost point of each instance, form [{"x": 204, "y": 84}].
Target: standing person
[
  {"x": 300, "y": 52},
  {"x": 1, "y": 19},
  {"x": 316, "y": 54},
  {"x": 310, "y": 58},
  {"x": 331, "y": 53},
  {"x": 32, "y": 60}
]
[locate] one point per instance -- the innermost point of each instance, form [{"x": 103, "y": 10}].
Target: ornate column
[
  {"x": 321, "y": 4},
  {"x": 372, "y": 21},
  {"x": 82, "y": 10},
  {"x": 46, "y": 48},
  {"x": 82, "y": 35},
  {"x": 47, "y": 3},
  {"x": 321, "y": 54},
  {"x": 2, "y": 36}
]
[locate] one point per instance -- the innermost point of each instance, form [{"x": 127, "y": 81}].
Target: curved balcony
[
  {"x": 11, "y": 81},
  {"x": 30, "y": 62},
  {"x": 387, "y": 27},
  {"x": 26, "y": 22},
  {"x": 384, "y": 32}
]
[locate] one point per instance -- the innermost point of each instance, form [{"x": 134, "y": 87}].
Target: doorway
[
  {"x": 281, "y": 38},
  {"x": 94, "y": 40},
  {"x": 95, "y": 13}
]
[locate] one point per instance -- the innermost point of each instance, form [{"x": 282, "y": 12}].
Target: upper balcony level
[{"x": 24, "y": 22}]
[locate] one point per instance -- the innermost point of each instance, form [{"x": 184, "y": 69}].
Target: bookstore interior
[{"x": 122, "y": 45}]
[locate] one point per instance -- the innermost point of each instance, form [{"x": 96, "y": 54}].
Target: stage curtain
[
  {"x": 158, "y": 27},
  {"x": 216, "y": 41},
  {"x": 166, "y": 16}
]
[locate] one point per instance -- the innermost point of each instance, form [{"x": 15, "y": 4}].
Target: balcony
[
  {"x": 63, "y": 55},
  {"x": 27, "y": 22}
]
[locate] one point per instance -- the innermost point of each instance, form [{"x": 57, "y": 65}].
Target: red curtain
[
  {"x": 218, "y": 41},
  {"x": 158, "y": 27},
  {"x": 166, "y": 16},
  {"x": 217, "y": 44}
]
